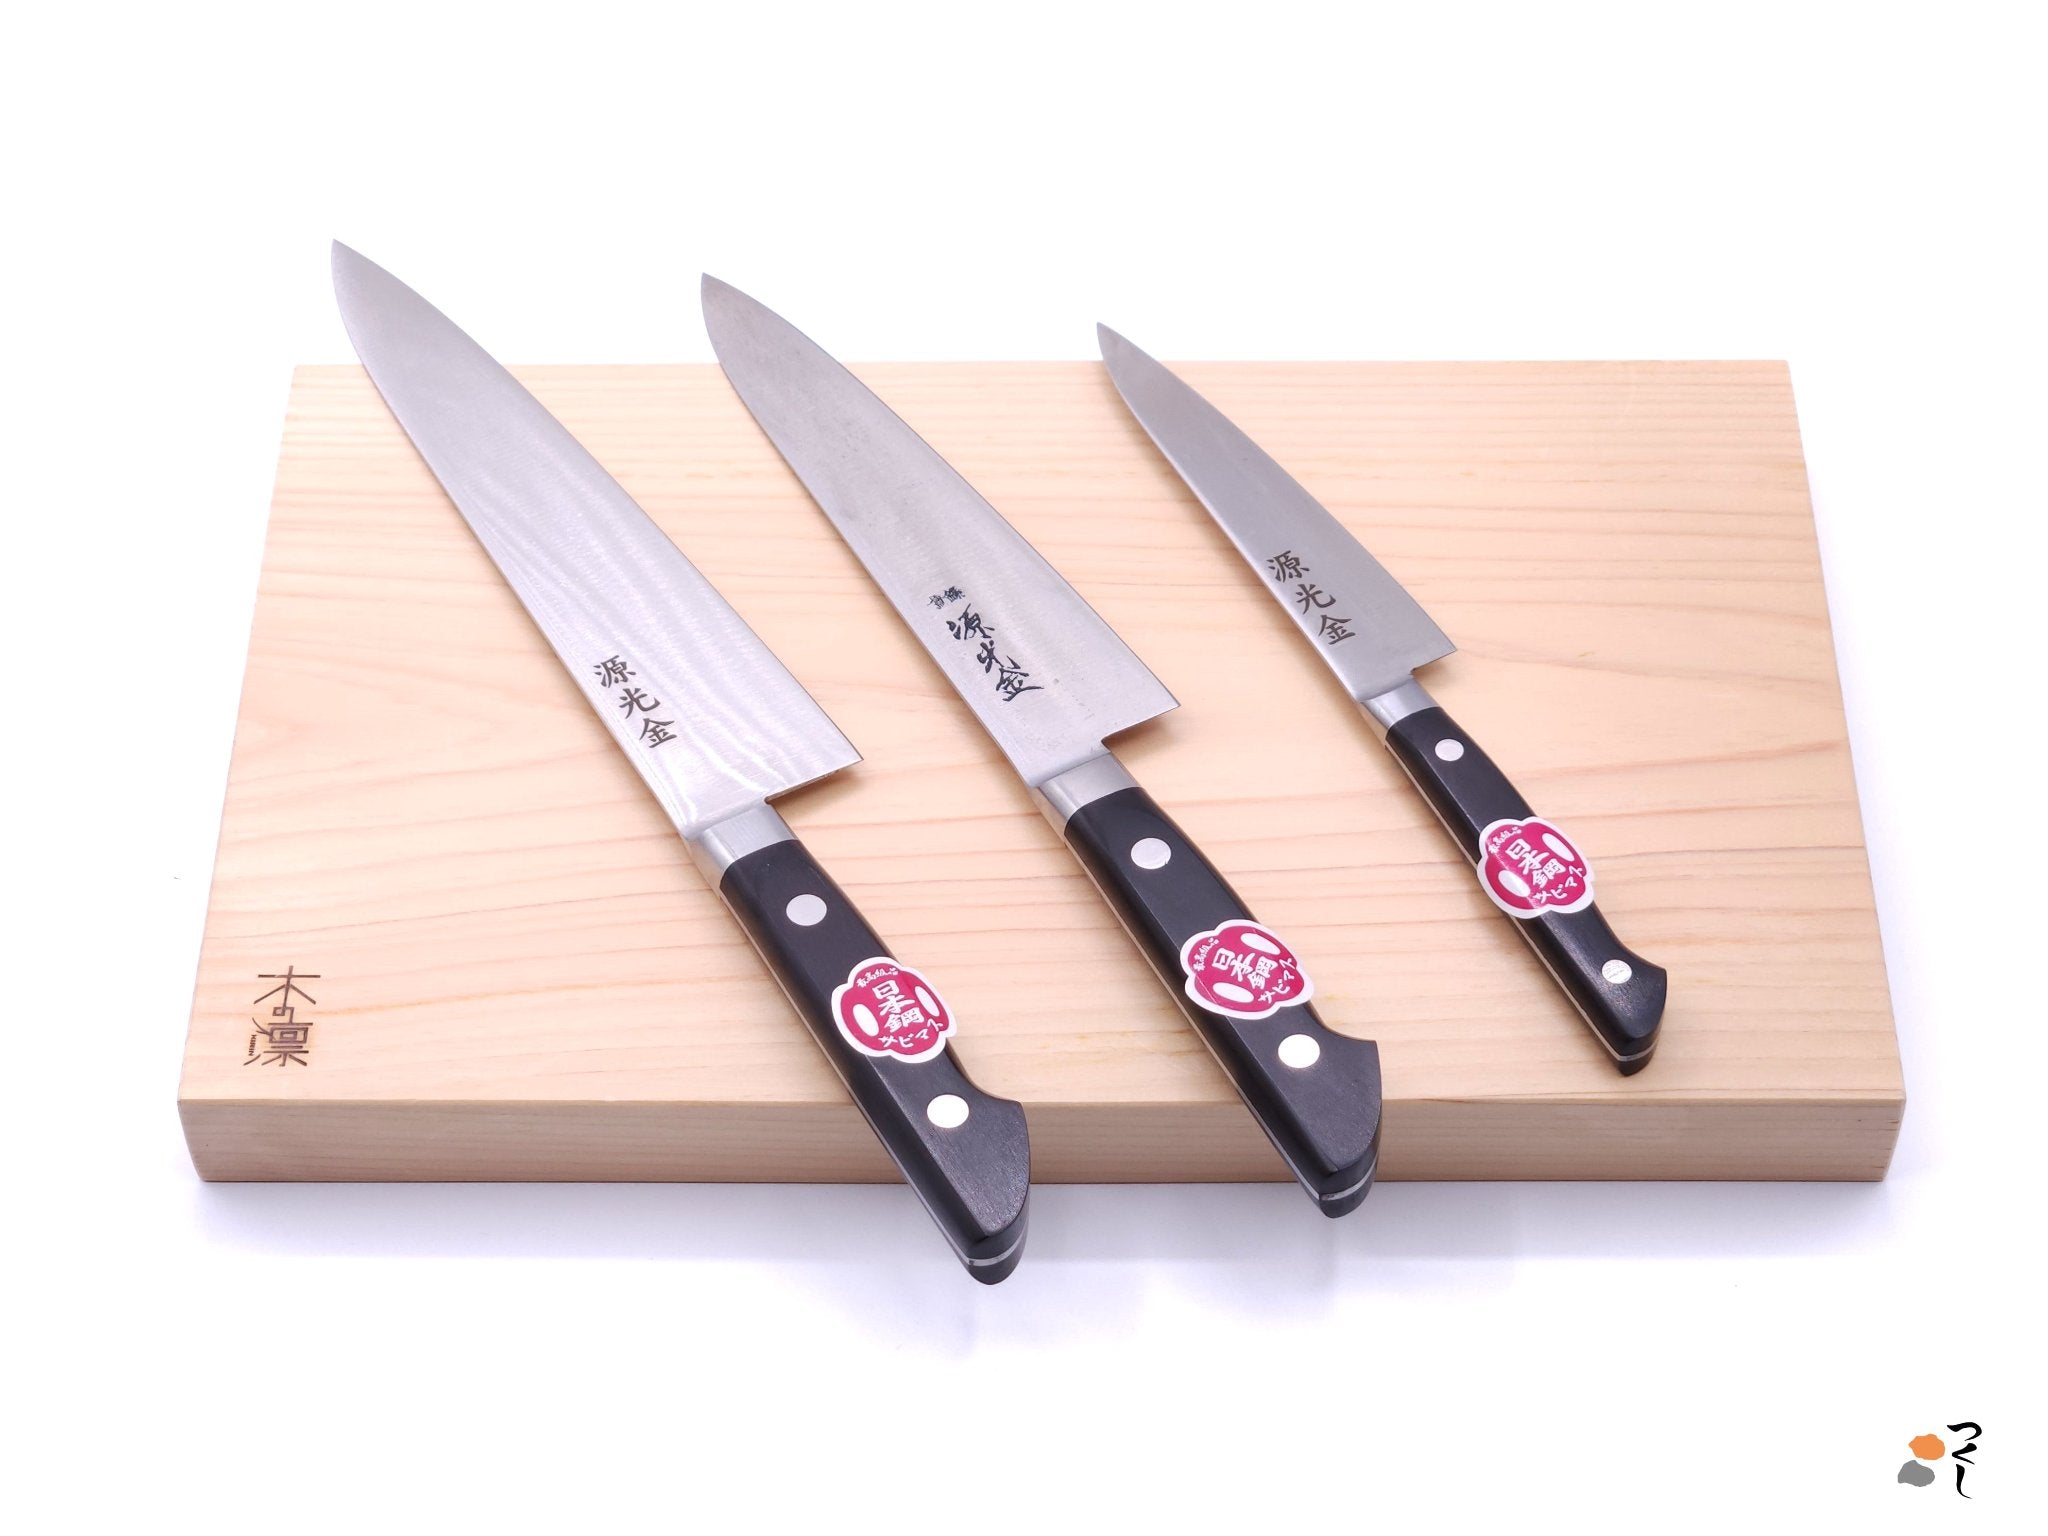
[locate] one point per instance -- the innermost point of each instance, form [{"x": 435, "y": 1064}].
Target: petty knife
[
  {"x": 717, "y": 727},
  {"x": 1373, "y": 635},
  {"x": 1050, "y": 681}
]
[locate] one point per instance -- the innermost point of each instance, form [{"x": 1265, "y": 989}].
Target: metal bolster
[
  {"x": 1066, "y": 792},
  {"x": 1389, "y": 709},
  {"x": 724, "y": 843}
]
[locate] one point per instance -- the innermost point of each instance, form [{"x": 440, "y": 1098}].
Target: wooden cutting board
[{"x": 503, "y": 965}]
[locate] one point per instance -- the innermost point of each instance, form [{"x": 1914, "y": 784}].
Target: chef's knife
[
  {"x": 1051, "y": 682},
  {"x": 1373, "y": 635},
  {"x": 716, "y": 726}
]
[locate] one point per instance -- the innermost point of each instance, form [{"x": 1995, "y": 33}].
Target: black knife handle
[
  {"x": 972, "y": 1170},
  {"x": 1618, "y": 992},
  {"x": 1321, "y": 1113}
]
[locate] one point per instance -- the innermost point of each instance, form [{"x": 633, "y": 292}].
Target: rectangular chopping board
[{"x": 452, "y": 937}]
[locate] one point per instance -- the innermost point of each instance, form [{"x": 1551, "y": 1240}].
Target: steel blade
[
  {"x": 713, "y": 722},
  {"x": 1041, "y": 670},
  {"x": 1360, "y": 620}
]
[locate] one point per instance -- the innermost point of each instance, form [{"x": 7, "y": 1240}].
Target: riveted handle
[
  {"x": 1535, "y": 872},
  {"x": 1314, "y": 1092},
  {"x": 886, "y": 1030}
]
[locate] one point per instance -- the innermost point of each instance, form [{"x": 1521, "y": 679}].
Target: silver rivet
[
  {"x": 1299, "y": 1051},
  {"x": 1616, "y": 971},
  {"x": 806, "y": 911},
  {"x": 1450, "y": 749},
  {"x": 948, "y": 1111},
  {"x": 1150, "y": 853}
]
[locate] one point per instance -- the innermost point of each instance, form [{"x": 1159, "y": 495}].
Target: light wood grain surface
[{"x": 523, "y": 976}]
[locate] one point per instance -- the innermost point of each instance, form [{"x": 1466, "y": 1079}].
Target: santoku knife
[
  {"x": 1051, "y": 682},
  {"x": 717, "y": 727},
  {"x": 1373, "y": 635}
]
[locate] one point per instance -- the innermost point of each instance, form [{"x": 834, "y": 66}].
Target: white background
[{"x": 1856, "y": 188}]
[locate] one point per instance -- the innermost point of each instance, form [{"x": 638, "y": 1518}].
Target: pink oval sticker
[
  {"x": 884, "y": 1008},
  {"x": 1243, "y": 971},
  {"x": 1529, "y": 868}
]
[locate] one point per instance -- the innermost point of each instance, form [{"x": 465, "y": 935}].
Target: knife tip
[
  {"x": 710, "y": 288},
  {"x": 1114, "y": 344},
  {"x": 349, "y": 265}
]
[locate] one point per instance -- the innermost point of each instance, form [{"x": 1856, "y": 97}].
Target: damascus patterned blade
[
  {"x": 1043, "y": 673},
  {"x": 713, "y": 722}
]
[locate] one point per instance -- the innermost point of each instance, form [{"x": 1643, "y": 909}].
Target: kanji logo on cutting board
[
  {"x": 287, "y": 1040},
  {"x": 1529, "y": 868},
  {"x": 1930, "y": 1450},
  {"x": 1243, "y": 971},
  {"x": 887, "y": 1009}
]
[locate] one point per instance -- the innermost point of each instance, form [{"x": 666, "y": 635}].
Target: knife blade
[
  {"x": 1367, "y": 629},
  {"x": 717, "y": 727},
  {"x": 1051, "y": 681}
]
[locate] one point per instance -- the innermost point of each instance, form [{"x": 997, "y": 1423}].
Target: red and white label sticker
[
  {"x": 887, "y": 1009},
  {"x": 1243, "y": 971},
  {"x": 1529, "y": 868}
]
